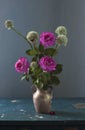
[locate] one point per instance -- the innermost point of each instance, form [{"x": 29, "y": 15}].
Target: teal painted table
[{"x": 19, "y": 114}]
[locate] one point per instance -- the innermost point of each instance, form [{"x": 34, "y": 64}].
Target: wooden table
[{"x": 19, "y": 114}]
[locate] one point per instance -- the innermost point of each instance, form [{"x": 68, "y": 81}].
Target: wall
[
  {"x": 42, "y": 16},
  {"x": 71, "y": 14}
]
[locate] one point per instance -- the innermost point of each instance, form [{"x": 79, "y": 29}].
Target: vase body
[{"x": 42, "y": 100}]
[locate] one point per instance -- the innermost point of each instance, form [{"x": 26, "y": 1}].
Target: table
[{"x": 19, "y": 114}]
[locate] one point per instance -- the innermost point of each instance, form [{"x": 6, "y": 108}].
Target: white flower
[
  {"x": 61, "y": 30},
  {"x": 9, "y": 24},
  {"x": 32, "y": 36},
  {"x": 62, "y": 39}
]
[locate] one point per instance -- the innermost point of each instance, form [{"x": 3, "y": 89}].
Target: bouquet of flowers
[{"x": 43, "y": 70}]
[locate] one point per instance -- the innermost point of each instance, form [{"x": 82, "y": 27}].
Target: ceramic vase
[{"x": 42, "y": 100}]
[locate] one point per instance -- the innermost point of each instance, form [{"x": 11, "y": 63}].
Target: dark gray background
[{"x": 43, "y": 15}]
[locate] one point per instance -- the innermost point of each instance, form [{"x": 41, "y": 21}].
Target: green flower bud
[
  {"x": 33, "y": 65},
  {"x": 61, "y": 30},
  {"x": 9, "y": 24},
  {"x": 32, "y": 36},
  {"x": 62, "y": 39}
]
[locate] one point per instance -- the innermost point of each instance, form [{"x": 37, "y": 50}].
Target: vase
[{"x": 42, "y": 100}]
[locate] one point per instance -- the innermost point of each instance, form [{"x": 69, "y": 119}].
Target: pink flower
[
  {"x": 22, "y": 65},
  {"x": 47, "y": 64},
  {"x": 47, "y": 39}
]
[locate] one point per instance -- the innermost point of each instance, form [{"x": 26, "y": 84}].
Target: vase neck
[{"x": 41, "y": 90}]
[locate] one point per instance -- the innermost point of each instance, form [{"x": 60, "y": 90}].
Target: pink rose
[
  {"x": 22, "y": 65},
  {"x": 47, "y": 39},
  {"x": 47, "y": 64}
]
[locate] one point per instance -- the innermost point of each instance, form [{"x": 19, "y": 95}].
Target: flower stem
[
  {"x": 21, "y": 36},
  {"x": 58, "y": 46}
]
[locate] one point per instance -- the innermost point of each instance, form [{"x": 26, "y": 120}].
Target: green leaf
[
  {"x": 54, "y": 80},
  {"x": 44, "y": 77},
  {"x": 45, "y": 87},
  {"x": 41, "y": 48},
  {"x": 35, "y": 58},
  {"x": 30, "y": 71},
  {"x": 23, "y": 77},
  {"x": 38, "y": 71},
  {"x": 34, "y": 78},
  {"x": 58, "y": 69},
  {"x": 41, "y": 55},
  {"x": 27, "y": 77},
  {"x": 50, "y": 51},
  {"x": 32, "y": 52}
]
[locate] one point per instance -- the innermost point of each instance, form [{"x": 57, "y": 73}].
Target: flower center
[{"x": 19, "y": 65}]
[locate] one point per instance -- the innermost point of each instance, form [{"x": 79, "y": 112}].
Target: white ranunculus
[
  {"x": 61, "y": 30},
  {"x": 62, "y": 39},
  {"x": 9, "y": 24},
  {"x": 32, "y": 36}
]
